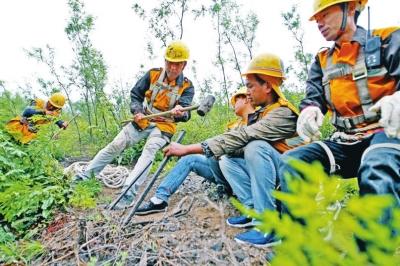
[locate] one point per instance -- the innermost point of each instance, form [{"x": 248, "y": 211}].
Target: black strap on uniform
[{"x": 345, "y": 10}]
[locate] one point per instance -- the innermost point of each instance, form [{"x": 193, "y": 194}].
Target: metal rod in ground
[
  {"x": 112, "y": 205},
  {"x": 139, "y": 199}
]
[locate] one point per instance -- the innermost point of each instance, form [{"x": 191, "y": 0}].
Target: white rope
[{"x": 111, "y": 176}]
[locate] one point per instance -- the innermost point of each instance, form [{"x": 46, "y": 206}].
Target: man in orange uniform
[
  {"x": 198, "y": 163},
  {"x": 24, "y": 128},
  {"x": 160, "y": 89},
  {"x": 358, "y": 81}
]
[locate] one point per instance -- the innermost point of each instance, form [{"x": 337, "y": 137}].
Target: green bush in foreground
[
  {"x": 320, "y": 232},
  {"x": 84, "y": 194},
  {"x": 32, "y": 185},
  {"x": 32, "y": 188}
]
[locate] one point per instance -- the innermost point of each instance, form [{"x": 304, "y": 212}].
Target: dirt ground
[{"x": 191, "y": 232}]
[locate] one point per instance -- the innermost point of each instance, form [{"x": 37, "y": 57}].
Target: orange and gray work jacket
[
  {"x": 151, "y": 94},
  {"x": 238, "y": 123},
  {"x": 275, "y": 123},
  {"x": 339, "y": 81},
  {"x": 24, "y": 128}
]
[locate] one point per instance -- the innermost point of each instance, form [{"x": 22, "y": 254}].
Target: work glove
[
  {"x": 309, "y": 122},
  {"x": 389, "y": 107}
]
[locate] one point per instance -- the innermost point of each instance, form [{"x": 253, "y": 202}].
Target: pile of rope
[{"x": 111, "y": 176}]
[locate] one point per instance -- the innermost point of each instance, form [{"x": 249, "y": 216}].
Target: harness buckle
[
  {"x": 359, "y": 73},
  {"x": 347, "y": 123}
]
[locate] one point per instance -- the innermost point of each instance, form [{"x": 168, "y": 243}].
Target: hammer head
[{"x": 205, "y": 105}]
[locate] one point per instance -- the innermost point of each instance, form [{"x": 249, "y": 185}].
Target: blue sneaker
[
  {"x": 258, "y": 239},
  {"x": 240, "y": 221}
]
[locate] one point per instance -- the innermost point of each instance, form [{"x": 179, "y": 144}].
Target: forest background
[{"x": 95, "y": 51}]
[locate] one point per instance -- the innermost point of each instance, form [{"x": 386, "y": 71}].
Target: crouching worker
[
  {"x": 160, "y": 89},
  {"x": 24, "y": 128},
  {"x": 258, "y": 145},
  {"x": 270, "y": 132},
  {"x": 200, "y": 164}
]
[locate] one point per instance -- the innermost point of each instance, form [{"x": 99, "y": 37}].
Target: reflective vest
[
  {"x": 162, "y": 97},
  {"x": 24, "y": 129},
  {"x": 350, "y": 88}
]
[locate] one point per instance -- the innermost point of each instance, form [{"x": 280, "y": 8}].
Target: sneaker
[
  {"x": 256, "y": 238},
  {"x": 125, "y": 201},
  {"x": 150, "y": 207},
  {"x": 240, "y": 221}
]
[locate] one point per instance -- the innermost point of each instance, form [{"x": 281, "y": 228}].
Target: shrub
[{"x": 31, "y": 183}]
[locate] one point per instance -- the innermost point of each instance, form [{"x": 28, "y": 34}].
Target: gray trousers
[{"x": 127, "y": 137}]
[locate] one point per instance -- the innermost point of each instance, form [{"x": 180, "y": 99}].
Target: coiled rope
[{"x": 111, "y": 176}]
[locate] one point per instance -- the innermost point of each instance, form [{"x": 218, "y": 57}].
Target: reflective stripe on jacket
[
  {"x": 339, "y": 83},
  {"x": 142, "y": 96}
]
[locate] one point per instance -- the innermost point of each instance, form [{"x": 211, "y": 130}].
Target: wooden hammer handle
[{"x": 189, "y": 108}]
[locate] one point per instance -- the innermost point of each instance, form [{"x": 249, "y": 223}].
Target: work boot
[{"x": 151, "y": 207}]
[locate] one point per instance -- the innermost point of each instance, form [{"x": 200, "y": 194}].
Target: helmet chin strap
[{"x": 345, "y": 9}]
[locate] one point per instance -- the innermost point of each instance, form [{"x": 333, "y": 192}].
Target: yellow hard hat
[
  {"x": 266, "y": 64},
  {"x": 241, "y": 91},
  {"x": 320, "y": 5},
  {"x": 270, "y": 68},
  {"x": 57, "y": 100},
  {"x": 177, "y": 51}
]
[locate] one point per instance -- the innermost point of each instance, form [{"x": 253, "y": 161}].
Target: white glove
[
  {"x": 389, "y": 107},
  {"x": 309, "y": 122}
]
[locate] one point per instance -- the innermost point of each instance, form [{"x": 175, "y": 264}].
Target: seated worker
[
  {"x": 24, "y": 128},
  {"x": 364, "y": 100},
  {"x": 200, "y": 164},
  {"x": 270, "y": 131},
  {"x": 160, "y": 89}
]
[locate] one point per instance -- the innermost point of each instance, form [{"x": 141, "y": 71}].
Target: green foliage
[
  {"x": 293, "y": 96},
  {"x": 11, "y": 106},
  {"x": 31, "y": 183},
  {"x": 319, "y": 232},
  {"x": 302, "y": 59},
  {"x": 32, "y": 187},
  {"x": 84, "y": 194},
  {"x": 201, "y": 128},
  {"x": 130, "y": 154},
  {"x": 21, "y": 251}
]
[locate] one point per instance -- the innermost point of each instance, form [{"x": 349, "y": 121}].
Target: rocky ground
[{"x": 191, "y": 232}]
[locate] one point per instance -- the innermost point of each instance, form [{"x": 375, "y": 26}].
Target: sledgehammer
[{"x": 202, "y": 108}]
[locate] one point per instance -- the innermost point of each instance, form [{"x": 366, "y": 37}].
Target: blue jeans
[
  {"x": 253, "y": 178},
  {"x": 374, "y": 160},
  {"x": 200, "y": 164}
]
